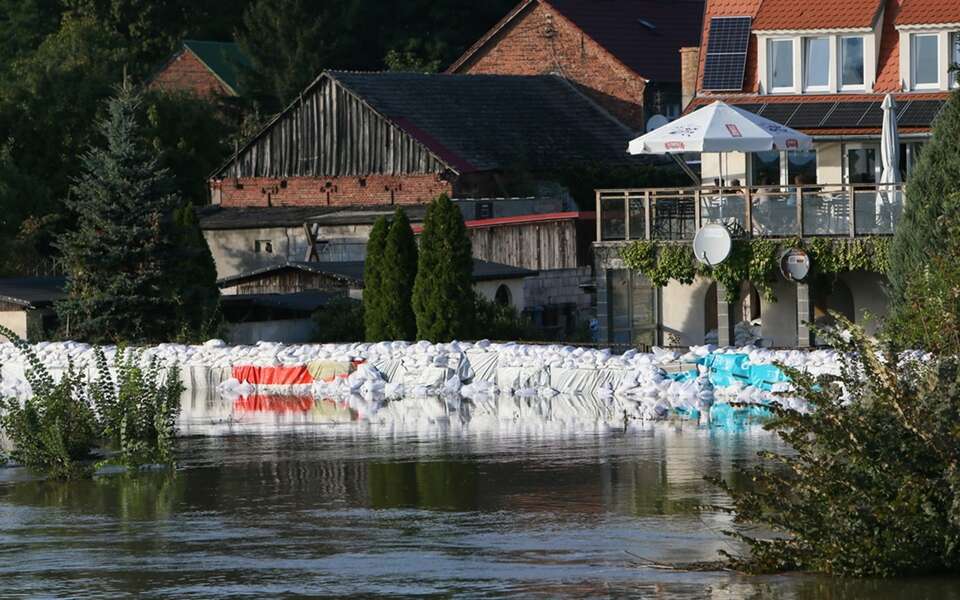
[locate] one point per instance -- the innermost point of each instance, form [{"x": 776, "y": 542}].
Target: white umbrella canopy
[
  {"x": 890, "y": 143},
  {"x": 720, "y": 127}
]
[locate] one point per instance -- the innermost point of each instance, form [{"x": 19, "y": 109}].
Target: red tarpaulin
[{"x": 298, "y": 375}]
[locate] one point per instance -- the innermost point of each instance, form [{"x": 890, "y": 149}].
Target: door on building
[
  {"x": 632, "y": 309},
  {"x": 861, "y": 163}
]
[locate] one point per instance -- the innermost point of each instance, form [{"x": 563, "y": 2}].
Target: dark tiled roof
[
  {"x": 32, "y": 292},
  {"x": 494, "y": 122},
  {"x": 222, "y": 58},
  {"x": 352, "y": 271},
  {"x": 645, "y": 35},
  {"x": 216, "y": 217},
  {"x": 306, "y": 302}
]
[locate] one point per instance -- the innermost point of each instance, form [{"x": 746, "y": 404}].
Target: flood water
[{"x": 270, "y": 503}]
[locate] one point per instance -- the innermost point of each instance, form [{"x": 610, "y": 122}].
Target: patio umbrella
[
  {"x": 889, "y": 156},
  {"x": 720, "y": 127}
]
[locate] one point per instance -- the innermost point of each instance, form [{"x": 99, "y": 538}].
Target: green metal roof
[{"x": 222, "y": 58}]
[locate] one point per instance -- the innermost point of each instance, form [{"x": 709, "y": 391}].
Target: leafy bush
[
  {"x": 872, "y": 487},
  {"x": 53, "y": 431},
  {"x": 137, "y": 409}
]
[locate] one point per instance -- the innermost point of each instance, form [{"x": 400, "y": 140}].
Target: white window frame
[
  {"x": 816, "y": 88},
  {"x": 793, "y": 65},
  {"x": 853, "y": 87},
  {"x": 953, "y": 39},
  {"x": 913, "y": 62}
]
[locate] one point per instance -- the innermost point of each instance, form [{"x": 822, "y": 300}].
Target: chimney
[{"x": 689, "y": 68}]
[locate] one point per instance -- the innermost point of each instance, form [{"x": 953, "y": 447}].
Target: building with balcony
[{"x": 823, "y": 68}]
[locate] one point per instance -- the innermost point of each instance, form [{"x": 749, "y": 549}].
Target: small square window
[
  {"x": 851, "y": 63},
  {"x": 263, "y": 247},
  {"x": 924, "y": 54},
  {"x": 780, "y": 59}
]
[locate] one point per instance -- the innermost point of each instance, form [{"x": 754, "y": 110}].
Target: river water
[{"x": 272, "y": 500}]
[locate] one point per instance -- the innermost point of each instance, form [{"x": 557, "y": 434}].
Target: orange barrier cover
[{"x": 298, "y": 375}]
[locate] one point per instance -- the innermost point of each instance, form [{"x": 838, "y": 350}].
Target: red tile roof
[
  {"x": 816, "y": 14},
  {"x": 929, "y": 12}
]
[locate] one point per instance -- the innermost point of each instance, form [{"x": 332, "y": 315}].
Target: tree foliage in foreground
[
  {"x": 872, "y": 486},
  {"x": 443, "y": 298}
]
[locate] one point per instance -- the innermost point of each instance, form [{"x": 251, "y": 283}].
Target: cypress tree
[
  {"x": 922, "y": 230},
  {"x": 397, "y": 279},
  {"x": 373, "y": 318},
  {"x": 443, "y": 299},
  {"x": 120, "y": 257}
]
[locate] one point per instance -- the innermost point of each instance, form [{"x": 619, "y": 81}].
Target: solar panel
[
  {"x": 846, "y": 114},
  {"x": 754, "y": 108},
  {"x": 779, "y": 112},
  {"x": 873, "y": 117},
  {"x": 726, "y": 53},
  {"x": 810, "y": 114},
  {"x": 920, "y": 113}
]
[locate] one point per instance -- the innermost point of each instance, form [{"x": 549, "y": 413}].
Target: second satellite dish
[
  {"x": 712, "y": 244},
  {"x": 656, "y": 122}
]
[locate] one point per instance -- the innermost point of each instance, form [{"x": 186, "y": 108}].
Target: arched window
[{"x": 503, "y": 296}]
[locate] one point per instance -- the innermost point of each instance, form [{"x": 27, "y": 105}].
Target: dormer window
[
  {"x": 851, "y": 63},
  {"x": 816, "y": 58},
  {"x": 781, "y": 65},
  {"x": 925, "y": 59}
]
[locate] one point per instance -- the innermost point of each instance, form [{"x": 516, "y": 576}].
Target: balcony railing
[{"x": 756, "y": 211}]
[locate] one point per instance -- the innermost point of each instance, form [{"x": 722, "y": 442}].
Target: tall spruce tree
[
  {"x": 397, "y": 279},
  {"x": 443, "y": 299},
  {"x": 374, "y": 322},
  {"x": 121, "y": 254},
  {"x": 929, "y": 196}
]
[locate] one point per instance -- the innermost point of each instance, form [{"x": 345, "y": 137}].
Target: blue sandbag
[
  {"x": 683, "y": 375},
  {"x": 727, "y": 369},
  {"x": 691, "y": 414},
  {"x": 765, "y": 376},
  {"x": 725, "y": 416}
]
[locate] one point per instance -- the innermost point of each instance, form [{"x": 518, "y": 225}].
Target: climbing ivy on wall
[{"x": 756, "y": 261}]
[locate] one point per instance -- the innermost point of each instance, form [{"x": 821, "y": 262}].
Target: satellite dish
[
  {"x": 712, "y": 244},
  {"x": 795, "y": 264},
  {"x": 656, "y": 122}
]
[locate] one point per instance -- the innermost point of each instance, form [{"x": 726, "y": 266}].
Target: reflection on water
[{"x": 348, "y": 510}]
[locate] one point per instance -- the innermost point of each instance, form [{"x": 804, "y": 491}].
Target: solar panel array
[
  {"x": 844, "y": 115},
  {"x": 726, "y": 53}
]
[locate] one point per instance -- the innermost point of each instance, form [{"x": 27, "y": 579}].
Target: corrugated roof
[
  {"x": 217, "y": 217},
  {"x": 816, "y": 14},
  {"x": 645, "y": 35},
  {"x": 495, "y": 122},
  {"x": 929, "y": 12},
  {"x": 222, "y": 58},
  {"x": 32, "y": 292}
]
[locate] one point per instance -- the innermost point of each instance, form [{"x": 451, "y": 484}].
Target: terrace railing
[{"x": 751, "y": 211}]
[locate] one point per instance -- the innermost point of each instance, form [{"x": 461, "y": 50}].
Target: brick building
[
  {"x": 624, "y": 53},
  {"x": 206, "y": 69}
]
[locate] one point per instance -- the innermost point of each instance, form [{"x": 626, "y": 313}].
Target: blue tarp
[{"x": 727, "y": 369}]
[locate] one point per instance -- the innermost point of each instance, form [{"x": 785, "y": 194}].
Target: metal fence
[{"x": 754, "y": 211}]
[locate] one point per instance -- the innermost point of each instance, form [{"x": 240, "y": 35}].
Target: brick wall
[
  {"x": 542, "y": 41},
  {"x": 186, "y": 73},
  {"x": 329, "y": 191},
  {"x": 689, "y": 69}
]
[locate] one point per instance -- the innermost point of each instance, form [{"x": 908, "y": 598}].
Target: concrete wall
[
  {"x": 560, "y": 286},
  {"x": 292, "y": 331},
  {"x": 233, "y": 250},
  {"x": 683, "y": 311},
  {"x": 16, "y": 321},
  {"x": 869, "y": 298},
  {"x": 488, "y": 289}
]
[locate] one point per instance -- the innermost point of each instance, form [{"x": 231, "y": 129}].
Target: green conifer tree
[
  {"x": 194, "y": 283},
  {"x": 120, "y": 256},
  {"x": 929, "y": 194},
  {"x": 443, "y": 299},
  {"x": 373, "y": 318},
  {"x": 398, "y": 276}
]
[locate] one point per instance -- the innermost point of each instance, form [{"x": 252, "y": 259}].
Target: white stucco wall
[
  {"x": 780, "y": 317},
  {"x": 488, "y": 289},
  {"x": 733, "y": 165},
  {"x": 16, "y": 321},
  {"x": 233, "y": 250}
]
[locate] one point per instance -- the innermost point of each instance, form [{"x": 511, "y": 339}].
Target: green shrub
[
  {"x": 374, "y": 319},
  {"x": 53, "y": 431},
  {"x": 137, "y": 408},
  {"x": 872, "y": 485},
  {"x": 340, "y": 321},
  {"x": 399, "y": 274}
]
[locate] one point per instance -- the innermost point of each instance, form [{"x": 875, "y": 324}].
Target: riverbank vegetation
[
  {"x": 872, "y": 484},
  {"x": 125, "y": 414}
]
